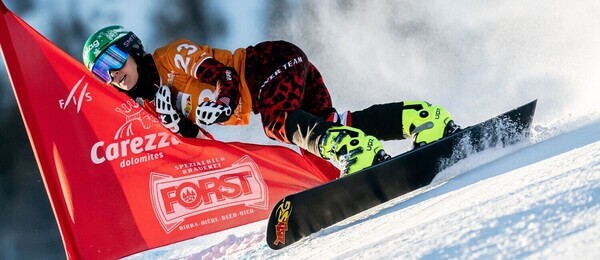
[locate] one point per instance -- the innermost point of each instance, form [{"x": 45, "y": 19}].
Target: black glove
[
  {"x": 211, "y": 112},
  {"x": 170, "y": 117}
]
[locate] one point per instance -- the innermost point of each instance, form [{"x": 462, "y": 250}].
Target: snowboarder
[{"x": 191, "y": 85}]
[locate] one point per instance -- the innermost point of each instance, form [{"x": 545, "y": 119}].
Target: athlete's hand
[
  {"x": 212, "y": 112},
  {"x": 165, "y": 109}
]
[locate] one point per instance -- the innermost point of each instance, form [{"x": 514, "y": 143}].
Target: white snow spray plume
[{"x": 477, "y": 59}]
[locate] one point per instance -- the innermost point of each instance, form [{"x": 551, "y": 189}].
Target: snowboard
[{"x": 306, "y": 212}]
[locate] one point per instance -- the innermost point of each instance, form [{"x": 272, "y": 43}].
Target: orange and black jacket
[{"x": 200, "y": 73}]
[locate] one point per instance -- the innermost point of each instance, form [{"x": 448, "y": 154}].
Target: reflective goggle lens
[{"x": 112, "y": 58}]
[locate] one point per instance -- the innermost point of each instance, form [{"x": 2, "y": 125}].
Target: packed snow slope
[{"x": 539, "y": 198}]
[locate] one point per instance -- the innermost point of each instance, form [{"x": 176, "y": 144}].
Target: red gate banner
[{"x": 118, "y": 181}]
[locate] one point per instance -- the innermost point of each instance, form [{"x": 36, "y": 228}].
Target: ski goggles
[{"x": 113, "y": 58}]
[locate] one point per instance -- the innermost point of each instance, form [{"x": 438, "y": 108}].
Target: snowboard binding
[
  {"x": 426, "y": 123},
  {"x": 351, "y": 148}
]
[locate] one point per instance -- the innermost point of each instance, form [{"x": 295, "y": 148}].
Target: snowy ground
[{"x": 537, "y": 199}]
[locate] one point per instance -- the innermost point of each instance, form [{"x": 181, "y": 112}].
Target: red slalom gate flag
[{"x": 118, "y": 181}]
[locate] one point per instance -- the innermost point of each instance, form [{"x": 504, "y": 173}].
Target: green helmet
[
  {"x": 426, "y": 123},
  {"x": 107, "y": 36}
]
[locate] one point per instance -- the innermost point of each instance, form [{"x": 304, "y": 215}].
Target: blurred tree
[
  {"x": 277, "y": 10},
  {"x": 20, "y": 6},
  {"x": 191, "y": 19},
  {"x": 283, "y": 17},
  {"x": 68, "y": 31},
  {"x": 28, "y": 229},
  {"x": 27, "y": 221}
]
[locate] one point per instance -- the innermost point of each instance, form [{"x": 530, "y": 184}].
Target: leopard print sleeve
[{"x": 226, "y": 80}]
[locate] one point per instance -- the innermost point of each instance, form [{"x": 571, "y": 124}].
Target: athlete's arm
[{"x": 226, "y": 79}]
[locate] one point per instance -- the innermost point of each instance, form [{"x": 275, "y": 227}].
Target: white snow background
[{"x": 538, "y": 199}]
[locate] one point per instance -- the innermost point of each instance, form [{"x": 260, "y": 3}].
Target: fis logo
[
  {"x": 76, "y": 97},
  {"x": 176, "y": 199},
  {"x": 283, "y": 215}
]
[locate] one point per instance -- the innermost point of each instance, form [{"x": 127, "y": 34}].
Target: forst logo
[
  {"x": 129, "y": 148},
  {"x": 192, "y": 194},
  {"x": 176, "y": 199}
]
